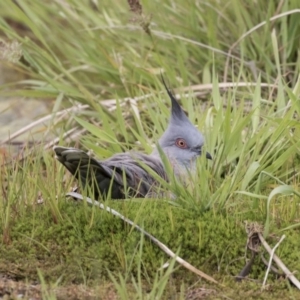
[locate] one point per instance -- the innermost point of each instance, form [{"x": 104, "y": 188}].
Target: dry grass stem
[
  {"x": 279, "y": 263},
  {"x": 152, "y": 238}
]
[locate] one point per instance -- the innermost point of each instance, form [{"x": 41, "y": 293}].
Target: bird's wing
[
  {"x": 108, "y": 174},
  {"x": 132, "y": 164}
]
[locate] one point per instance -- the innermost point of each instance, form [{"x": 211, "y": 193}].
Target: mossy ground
[{"x": 86, "y": 243}]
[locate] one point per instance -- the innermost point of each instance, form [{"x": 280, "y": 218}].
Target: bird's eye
[{"x": 181, "y": 143}]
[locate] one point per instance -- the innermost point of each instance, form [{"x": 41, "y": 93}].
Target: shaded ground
[
  {"x": 11, "y": 289},
  {"x": 250, "y": 290}
]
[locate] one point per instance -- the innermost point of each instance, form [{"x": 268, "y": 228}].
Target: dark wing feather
[{"x": 110, "y": 172}]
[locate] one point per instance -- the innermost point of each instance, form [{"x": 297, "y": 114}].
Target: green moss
[{"x": 88, "y": 241}]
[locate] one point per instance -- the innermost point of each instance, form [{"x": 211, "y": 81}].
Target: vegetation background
[{"x": 235, "y": 67}]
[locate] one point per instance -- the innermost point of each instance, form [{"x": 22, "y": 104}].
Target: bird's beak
[
  {"x": 208, "y": 156},
  {"x": 199, "y": 152}
]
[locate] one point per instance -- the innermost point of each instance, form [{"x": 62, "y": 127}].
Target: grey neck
[{"x": 180, "y": 169}]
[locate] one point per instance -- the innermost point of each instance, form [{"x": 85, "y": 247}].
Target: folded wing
[{"x": 107, "y": 175}]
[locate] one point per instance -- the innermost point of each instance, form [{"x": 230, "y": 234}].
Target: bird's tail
[{"x": 89, "y": 171}]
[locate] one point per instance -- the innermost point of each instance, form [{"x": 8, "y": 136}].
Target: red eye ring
[{"x": 181, "y": 143}]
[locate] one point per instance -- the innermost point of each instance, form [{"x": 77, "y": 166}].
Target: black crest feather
[{"x": 177, "y": 111}]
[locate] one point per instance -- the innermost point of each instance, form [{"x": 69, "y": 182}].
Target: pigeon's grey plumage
[{"x": 182, "y": 143}]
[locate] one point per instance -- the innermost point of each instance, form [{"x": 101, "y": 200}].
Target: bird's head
[{"x": 182, "y": 142}]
